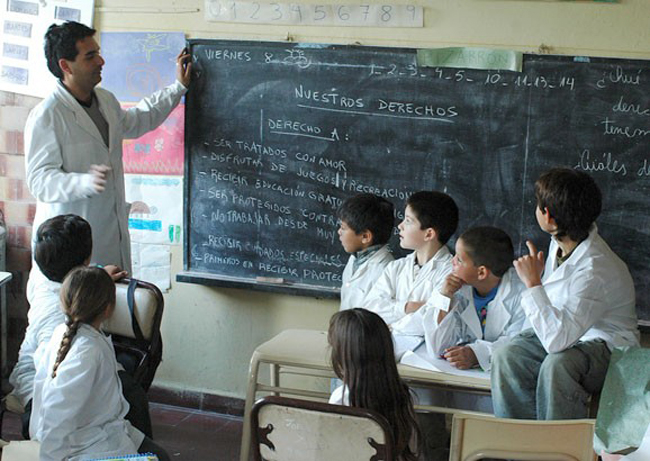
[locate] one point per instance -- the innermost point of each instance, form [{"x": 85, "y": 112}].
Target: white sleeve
[
  {"x": 560, "y": 327},
  {"x": 46, "y": 179},
  {"x": 382, "y": 297},
  {"x": 439, "y": 337},
  {"x": 152, "y": 111}
]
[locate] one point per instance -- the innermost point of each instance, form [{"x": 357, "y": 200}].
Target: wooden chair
[
  {"x": 477, "y": 437},
  {"x": 290, "y": 429}
]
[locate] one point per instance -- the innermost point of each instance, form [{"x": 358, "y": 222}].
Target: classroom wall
[{"x": 210, "y": 333}]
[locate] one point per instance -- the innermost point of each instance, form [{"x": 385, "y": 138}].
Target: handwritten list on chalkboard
[{"x": 278, "y": 135}]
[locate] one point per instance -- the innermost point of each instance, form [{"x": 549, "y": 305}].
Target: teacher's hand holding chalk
[
  {"x": 184, "y": 67},
  {"x": 530, "y": 267}
]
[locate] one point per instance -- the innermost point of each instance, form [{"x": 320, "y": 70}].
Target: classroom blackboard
[{"x": 278, "y": 134}]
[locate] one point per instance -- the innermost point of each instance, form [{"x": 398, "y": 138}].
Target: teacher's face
[{"x": 86, "y": 69}]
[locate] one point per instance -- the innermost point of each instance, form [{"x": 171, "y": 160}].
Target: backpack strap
[{"x": 130, "y": 299}]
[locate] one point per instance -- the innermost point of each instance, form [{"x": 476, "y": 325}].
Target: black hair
[
  {"x": 62, "y": 243},
  {"x": 435, "y": 210},
  {"x": 369, "y": 212},
  {"x": 572, "y": 198},
  {"x": 61, "y": 43},
  {"x": 490, "y": 247}
]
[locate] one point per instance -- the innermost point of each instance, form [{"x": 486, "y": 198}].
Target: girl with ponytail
[{"x": 78, "y": 408}]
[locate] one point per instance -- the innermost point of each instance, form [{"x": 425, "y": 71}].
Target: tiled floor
[{"x": 187, "y": 435}]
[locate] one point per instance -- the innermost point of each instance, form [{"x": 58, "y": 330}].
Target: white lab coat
[
  {"x": 505, "y": 319},
  {"x": 357, "y": 285},
  {"x": 61, "y": 142},
  {"x": 43, "y": 317},
  {"x": 590, "y": 296},
  {"x": 80, "y": 414},
  {"x": 398, "y": 285}
]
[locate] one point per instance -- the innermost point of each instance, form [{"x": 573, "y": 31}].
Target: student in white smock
[
  {"x": 363, "y": 358},
  {"x": 367, "y": 223},
  {"x": 580, "y": 304},
  {"x": 405, "y": 286},
  {"x": 480, "y": 302}
]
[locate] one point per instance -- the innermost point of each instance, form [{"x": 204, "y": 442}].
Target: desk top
[
  {"x": 4, "y": 277},
  {"x": 309, "y": 349}
]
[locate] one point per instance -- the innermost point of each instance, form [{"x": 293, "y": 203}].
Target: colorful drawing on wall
[
  {"x": 160, "y": 151},
  {"x": 139, "y": 63},
  {"x": 156, "y": 214}
]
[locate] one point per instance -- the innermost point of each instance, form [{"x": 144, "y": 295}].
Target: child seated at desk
[
  {"x": 479, "y": 308},
  {"x": 405, "y": 286},
  {"x": 580, "y": 305},
  {"x": 79, "y": 411},
  {"x": 367, "y": 223},
  {"x": 363, "y": 358}
]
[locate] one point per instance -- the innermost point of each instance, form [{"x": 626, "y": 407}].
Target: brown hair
[
  {"x": 572, "y": 198},
  {"x": 85, "y": 294},
  {"x": 364, "y": 359}
]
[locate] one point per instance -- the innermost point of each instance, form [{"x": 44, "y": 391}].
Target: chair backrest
[
  {"x": 135, "y": 328},
  {"x": 289, "y": 429},
  {"x": 21, "y": 450},
  {"x": 477, "y": 437}
]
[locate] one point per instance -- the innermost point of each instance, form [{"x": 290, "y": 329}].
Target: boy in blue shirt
[
  {"x": 367, "y": 223},
  {"x": 479, "y": 303}
]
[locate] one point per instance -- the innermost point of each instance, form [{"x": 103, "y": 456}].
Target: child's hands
[
  {"x": 530, "y": 267},
  {"x": 413, "y": 306},
  {"x": 452, "y": 285},
  {"x": 115, "y": 272},
  {"x": 462, "y": 357}
]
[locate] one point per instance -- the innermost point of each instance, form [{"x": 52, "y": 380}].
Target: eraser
[{"x": 270, "y": 279}]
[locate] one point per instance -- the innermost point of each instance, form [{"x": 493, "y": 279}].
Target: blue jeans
[{"x": 529, "y": 383}]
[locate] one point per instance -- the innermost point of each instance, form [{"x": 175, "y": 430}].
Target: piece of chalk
[{"x": 270, "y": 279}]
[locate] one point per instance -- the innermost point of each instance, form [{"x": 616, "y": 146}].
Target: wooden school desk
[{"x": 306, "y": 353}]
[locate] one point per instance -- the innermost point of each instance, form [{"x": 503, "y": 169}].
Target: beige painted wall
[{"x": 210, "y": 333}]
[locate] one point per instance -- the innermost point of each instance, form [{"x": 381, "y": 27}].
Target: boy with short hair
[
  {"x": 580, "y": 305},
  {"x": 366, "y": 226},
  {"x": 405, "y": 286},
  {"x": 479, "y": 303}
]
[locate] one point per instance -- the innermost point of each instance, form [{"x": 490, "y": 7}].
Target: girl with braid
[{"x": 78, "y": 408}]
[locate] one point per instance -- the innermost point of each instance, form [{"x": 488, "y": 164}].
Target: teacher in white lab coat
[{"x": 73, "y": 140}]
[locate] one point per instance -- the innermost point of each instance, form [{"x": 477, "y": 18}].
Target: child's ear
[
  {"x": 550, "y": 220},
  {"x": 483, "y": 273},
  {"x": 430, "y": 234},
  {"x": 367, "y": 238}
]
